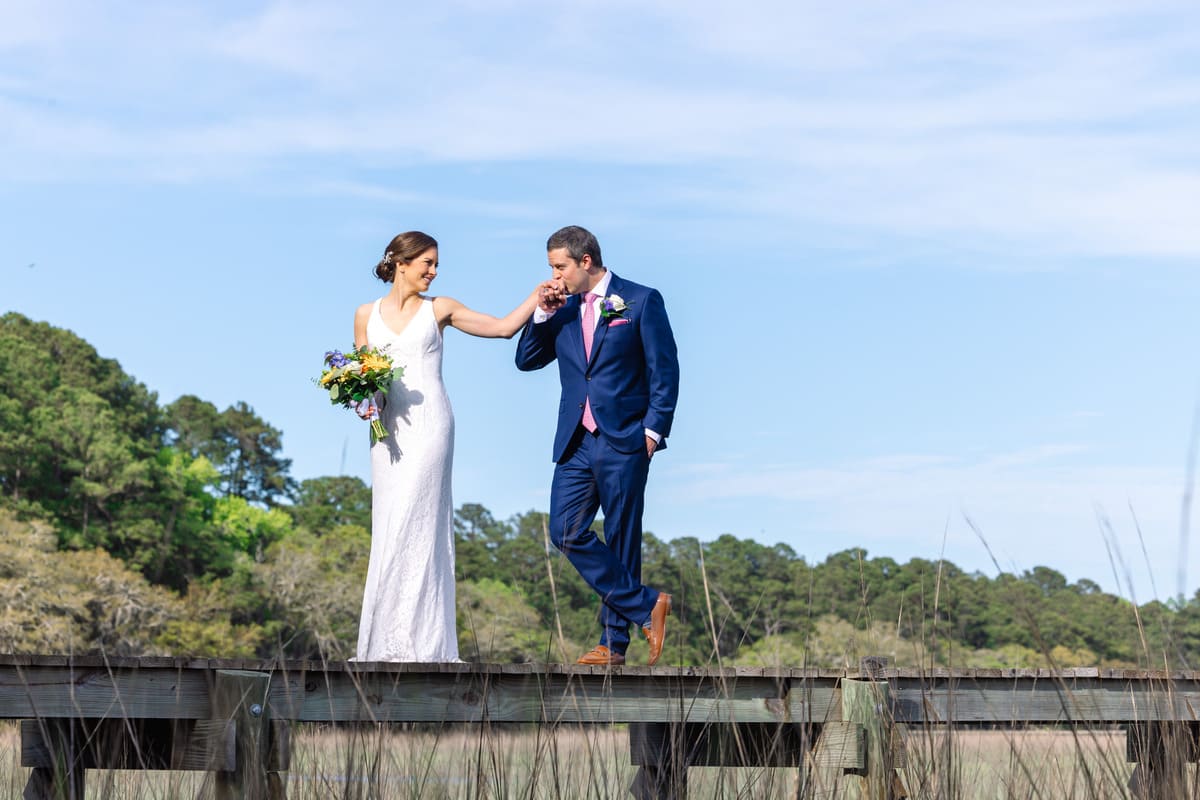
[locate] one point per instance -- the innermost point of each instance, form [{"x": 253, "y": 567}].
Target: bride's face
[{"x": 421, "y": 271}]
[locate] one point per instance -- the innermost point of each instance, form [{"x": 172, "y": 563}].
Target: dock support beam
[
  {"x": 1162, "y": 751},
  {"x": 869, "y": 704},
  {"x": 241, "y": 696},
  {"x": 60, "y": 776},
  {"x": 661, "y": 748}
]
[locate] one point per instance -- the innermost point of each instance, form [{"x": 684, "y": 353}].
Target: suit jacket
[{"x": 632, "y": 378}]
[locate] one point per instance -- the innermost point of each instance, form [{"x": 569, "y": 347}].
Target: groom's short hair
[{"x": 578, "y": 241}]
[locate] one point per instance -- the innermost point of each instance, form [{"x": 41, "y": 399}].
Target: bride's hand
[
  {"x": 366, "y": 408},
  {"x": 551, "y": 296}
]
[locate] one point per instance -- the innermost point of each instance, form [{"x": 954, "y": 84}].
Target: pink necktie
[{"x": 589, "y": 332}]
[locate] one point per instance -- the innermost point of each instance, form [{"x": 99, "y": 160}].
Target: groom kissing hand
[{"x": 619, "y": 372}]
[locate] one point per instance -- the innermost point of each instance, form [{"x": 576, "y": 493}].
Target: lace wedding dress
[{"x": 408, "y": 605}]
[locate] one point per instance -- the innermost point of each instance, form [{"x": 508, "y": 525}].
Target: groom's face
[{"x": 574, "y": 275}]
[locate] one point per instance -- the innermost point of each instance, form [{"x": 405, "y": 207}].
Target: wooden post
[
  {"x": 662, "y": 751},
  {"x": 1162, "y": 751},
  {"x": 279, "y": 758},
  {"x": 118, "y": 743},
  {"x": 869, "y": 704},
  {"x": 64, "y": 780},
  {"x": 242, "y": 697}
]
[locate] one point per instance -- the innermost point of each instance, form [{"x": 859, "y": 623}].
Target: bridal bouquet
[{"x": 356, "y": 376}]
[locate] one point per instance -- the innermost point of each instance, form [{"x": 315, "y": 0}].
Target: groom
[{"x": 620, "y": 379}]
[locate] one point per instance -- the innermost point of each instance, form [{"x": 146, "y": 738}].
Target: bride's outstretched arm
[{"x": 456, "y": 315}]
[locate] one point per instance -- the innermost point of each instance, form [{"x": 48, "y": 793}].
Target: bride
[{"x": 408, "y": 611}]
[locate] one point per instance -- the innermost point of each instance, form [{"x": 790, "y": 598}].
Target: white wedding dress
[{"x": 408, "y": 605}]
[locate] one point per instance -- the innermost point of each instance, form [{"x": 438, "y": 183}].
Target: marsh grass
[
  {"x": 592, "y": 763},
  {"x": 529, "y": 762},
  {"x": 1018, "y": 763}
]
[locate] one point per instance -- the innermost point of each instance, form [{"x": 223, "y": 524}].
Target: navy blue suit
[{"x": 632, "y": 382}]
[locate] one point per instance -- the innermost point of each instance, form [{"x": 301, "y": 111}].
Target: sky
[{"x": 932, "y": 267}]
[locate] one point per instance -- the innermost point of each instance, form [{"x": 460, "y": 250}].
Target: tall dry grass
[
  {"x": 498, "y": 762},
  {"x": 592, "y": 763}
]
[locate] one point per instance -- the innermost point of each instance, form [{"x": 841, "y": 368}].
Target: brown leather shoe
[
  {"x": 656, "y": 634},
  {"x": 601, "y": 656}
]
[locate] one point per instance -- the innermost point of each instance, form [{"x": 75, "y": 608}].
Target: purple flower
[
  {"x": 613, "y": 306},
  {"x": 335, "y": 359}
]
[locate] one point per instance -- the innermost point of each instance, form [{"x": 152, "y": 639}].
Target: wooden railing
[{"x": 233, "y": 718}]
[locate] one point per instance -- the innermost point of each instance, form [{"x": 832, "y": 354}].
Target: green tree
[
  {"x": 255, "y": 468},
  {"x": 244, "y": 448},
  {"x": 78, "y": 437},
  {"x": 95, "y": 462},
  {"x": 64, "y": 359},
  {"x": 21, "y": 453},
  {"x": 498, "y": 625},
  {"x": 195, "y": 427},
  {"x": 325, "y": 503},
  {"x": 176, "y": 541},
  {"x": 249, "y": 529},
  {"x": 312, "y": 587},
  {"x": 74, "y": 602},
  {"x": 478, "y": 538}
]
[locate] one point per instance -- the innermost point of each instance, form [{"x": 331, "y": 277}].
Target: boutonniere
[{"x": 613, "y": 307}]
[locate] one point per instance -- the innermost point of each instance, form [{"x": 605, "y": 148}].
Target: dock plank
[{"x": 93, "y": 687}]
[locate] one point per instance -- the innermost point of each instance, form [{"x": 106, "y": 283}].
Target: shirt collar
[{"x": 601, "y": 288}]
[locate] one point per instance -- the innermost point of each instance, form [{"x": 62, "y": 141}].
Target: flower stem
[{"x": 377, "y": 431}]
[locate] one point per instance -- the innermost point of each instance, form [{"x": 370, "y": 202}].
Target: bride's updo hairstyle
[{"x": 402, "y": 250}]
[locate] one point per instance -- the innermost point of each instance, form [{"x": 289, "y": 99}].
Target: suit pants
[{"x": 590, "y": 476}]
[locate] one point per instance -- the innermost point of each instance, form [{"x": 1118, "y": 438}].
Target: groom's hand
[{"x": 651, "y": 446}]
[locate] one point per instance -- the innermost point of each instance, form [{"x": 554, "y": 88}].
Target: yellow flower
[
  {"x": 326, "y": 377},
  {"x": 372, "y": 363}
]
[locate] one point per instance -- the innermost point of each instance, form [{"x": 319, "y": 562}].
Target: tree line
[{"x": 128, "y": 526}]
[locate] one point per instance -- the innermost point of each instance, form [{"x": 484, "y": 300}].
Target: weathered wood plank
[
  {"x": 891, "y": 675},
  {"x": 420, "y": 697},
  {"x": 840, "y": 745},
  {"x": 75, "y": 692},
  {"x": 285, "y": 666},
  {"x": 137, "y": 744},
  {"x": 722, "y": 745},
  {"x": 1037, "y": 700},
  {"x": 60, "y": 687},
  {"x": 51, "y": 692}
]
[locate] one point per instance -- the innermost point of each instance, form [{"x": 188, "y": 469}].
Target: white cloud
[
  {"x": 403, "y": 197},
  {"x": 1067, "y": 128}
]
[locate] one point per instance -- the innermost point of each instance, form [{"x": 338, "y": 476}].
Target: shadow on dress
[{"x": 402, "y": 399}]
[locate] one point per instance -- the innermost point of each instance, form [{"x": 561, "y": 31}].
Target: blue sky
[{"x": 927, "y": 263}]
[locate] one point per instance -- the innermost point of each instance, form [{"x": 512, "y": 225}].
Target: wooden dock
[{"x": 233, "y": 717}]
